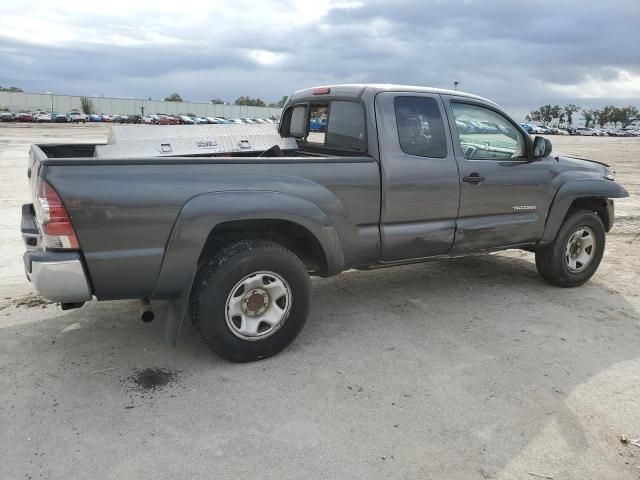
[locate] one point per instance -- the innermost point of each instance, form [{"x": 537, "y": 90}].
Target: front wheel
[
  {"x": 575, "y": 254},
  {"x": 250, "y": 300}
]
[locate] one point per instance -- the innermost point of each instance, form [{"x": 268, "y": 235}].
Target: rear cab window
[{"x": 332, "y": 126}]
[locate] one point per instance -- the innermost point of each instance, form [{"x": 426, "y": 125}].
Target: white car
[
  {"x": 215, "y": 120},
  {"x": 585, "y": 131},
  {"x": 77, "y": 117},
  {"x": 41, "y": 117},
  {"x": 149, "y": 119}
]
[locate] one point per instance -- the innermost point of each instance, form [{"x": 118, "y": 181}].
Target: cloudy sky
[{"x": 520, "y": 54}]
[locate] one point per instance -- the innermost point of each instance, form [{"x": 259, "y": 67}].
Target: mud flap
[{"x": 177, "y": 312}]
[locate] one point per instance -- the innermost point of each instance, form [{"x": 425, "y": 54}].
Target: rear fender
[{"x": 200, "y": 215}]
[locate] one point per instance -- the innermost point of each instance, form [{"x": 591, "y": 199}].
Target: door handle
[{"x": 473, "y": 179}]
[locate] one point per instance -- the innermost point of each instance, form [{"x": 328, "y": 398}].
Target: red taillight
[
  {"x": 55, "y": 223},
  {"x": 322, "y": 91}
]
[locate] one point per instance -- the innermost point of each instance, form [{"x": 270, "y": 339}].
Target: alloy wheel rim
[
  {"x": 258, "y": 305},
  {"x": 580, "y": 249}
]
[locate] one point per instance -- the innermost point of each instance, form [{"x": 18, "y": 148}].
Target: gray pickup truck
[{"x": 388, "y": 175}]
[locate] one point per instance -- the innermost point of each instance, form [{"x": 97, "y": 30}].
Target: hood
[{"x": 582, "y": 164}]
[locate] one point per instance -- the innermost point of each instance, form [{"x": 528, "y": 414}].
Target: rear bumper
[{"x": 57, "y": 276}]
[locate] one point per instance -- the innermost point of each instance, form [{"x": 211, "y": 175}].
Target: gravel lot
[{"x": 457, "y": 369}]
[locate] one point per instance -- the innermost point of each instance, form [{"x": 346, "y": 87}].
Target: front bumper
[{"x": 57, "y": 276}]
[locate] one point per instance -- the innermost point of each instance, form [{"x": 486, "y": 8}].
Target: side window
[
  {"x": 346, "y": 128},
  {"x": 420, "y": 127},
  {"x": 337, "y": 126},
  {"x": 485, "y": 134}
]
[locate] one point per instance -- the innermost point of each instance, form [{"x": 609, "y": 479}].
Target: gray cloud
[{"x": 520, "y": 55}]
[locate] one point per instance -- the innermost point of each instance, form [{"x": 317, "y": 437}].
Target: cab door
[
  {"x": 504, "y": 192},
  {"x": 420, "y": 181}
]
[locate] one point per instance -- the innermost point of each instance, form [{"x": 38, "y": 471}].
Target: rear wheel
[
  {"x": 250, "y": 300},
  {"x": 575, "y": 254}
]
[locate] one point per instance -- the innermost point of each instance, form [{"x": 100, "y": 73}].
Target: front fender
[
  {"x": 571, "y": 191},
  {"x": 203, "y": 212}
]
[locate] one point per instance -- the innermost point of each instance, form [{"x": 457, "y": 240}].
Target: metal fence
[{"x": 29, "y": 102}]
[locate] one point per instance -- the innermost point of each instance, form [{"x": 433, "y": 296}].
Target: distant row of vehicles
[
  {"x": 78, "y": 117},
  {"x": 604, "y": 132},
  {"x": 582, "y": 131},
  {"x": 40, "y": 117},
  {"x": 193, "y": 120}
]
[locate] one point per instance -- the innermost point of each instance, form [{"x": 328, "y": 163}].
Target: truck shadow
[{"x": 414, "y": 358}]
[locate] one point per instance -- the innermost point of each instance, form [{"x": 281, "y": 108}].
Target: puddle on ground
[{"x": 152, "y": 379}]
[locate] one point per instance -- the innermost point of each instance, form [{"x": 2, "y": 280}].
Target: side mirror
[{"x": 541, "y": 147}]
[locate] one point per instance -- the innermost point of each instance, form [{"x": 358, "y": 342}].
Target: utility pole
[{"x": 455, "y": 85}]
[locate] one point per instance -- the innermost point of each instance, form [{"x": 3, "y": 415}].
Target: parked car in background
[
  {"x": 167, "y": 120},
  {"x": 529, "y": 128},
  {"x": 584, "y": 131},
  {"x": 76, "y": 117},
  {"x": 59, "y": 118},
  {"x": 41, "y": 117},
  {"x": 132, "y": 119},
  {"x": 186, "y": 120},
  {"x": 24, "y": 117},
  {"x": 95, "y": 118},
  {"x": 148, "y": 119},
  {"x": 7, "y": 117},
  {"x": 317, "y": 124}
]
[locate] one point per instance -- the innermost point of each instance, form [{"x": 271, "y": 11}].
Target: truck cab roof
[{"x": 355, "y": 90}]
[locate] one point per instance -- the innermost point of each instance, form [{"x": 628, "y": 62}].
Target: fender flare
[
  {"x": 202, "y": 213},
  {"x": 571, "y": 191}
]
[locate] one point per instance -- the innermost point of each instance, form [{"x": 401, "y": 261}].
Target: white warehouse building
[{"x": 29, "y": 102}]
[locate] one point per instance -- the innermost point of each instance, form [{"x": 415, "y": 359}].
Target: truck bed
[{"x": 125, "y": 209}]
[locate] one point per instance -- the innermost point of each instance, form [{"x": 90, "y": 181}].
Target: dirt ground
[{"x": 458, "y": 369}]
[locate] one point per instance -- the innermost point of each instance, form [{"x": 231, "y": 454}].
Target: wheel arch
[
  {"x": 591, "y": 194},
  {"x": 211, "y": 220}
]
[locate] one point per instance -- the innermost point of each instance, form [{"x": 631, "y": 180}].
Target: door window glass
[
  {"x": 486, "y": 135},
  {"x": 420, "y": 127}
]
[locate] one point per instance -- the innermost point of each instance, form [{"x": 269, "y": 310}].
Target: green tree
[
  {"x": 86, "y": 104},
  {"x": 546, "y": 113},
  {"x": 251, "y": 102},
  {"x": 569, "y": 110},
  {"x": 282, "y": 101},
  {"x": 217, "y": 101},
  {"x": 534, "y": 116},
  {"x": 629, "y": 115},
  {"x": 588, "y": 117},
  {"x": 174, "y": 97},
  {"x": 11, "y": 89}
]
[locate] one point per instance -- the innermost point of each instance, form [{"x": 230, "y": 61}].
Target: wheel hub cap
[
  {"x": 255, "y": 302},
  {"x": 580, "y": 249},
  {"x": 258, "y": 305}
]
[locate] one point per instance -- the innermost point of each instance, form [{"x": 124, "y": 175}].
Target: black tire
[
  {"x": 217, "y": 278},
  {"x": 550, "y": 260}
]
